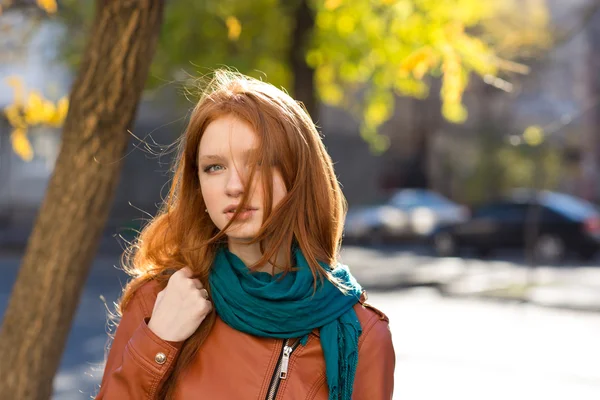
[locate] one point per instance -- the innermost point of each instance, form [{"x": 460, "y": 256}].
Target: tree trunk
[
  {"x": 426, "y": 120},
  {"x": 304, "y": 82},
  {"x": 65, "y": 237}
]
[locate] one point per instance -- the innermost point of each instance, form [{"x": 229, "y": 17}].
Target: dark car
[
  {"x": 407, "y": 214},
  {"x": 565, "y": 224}
]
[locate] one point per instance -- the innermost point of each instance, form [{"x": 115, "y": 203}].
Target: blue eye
[{"x": 212, "y": 168}]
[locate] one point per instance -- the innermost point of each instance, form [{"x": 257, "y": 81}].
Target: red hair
[{"x": 310, "y": 215}]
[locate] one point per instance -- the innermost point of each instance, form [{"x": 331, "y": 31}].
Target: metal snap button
[{"x": 160, "y": 358}]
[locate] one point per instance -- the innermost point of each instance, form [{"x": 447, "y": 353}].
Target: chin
[{"x": 242, "y": 235}]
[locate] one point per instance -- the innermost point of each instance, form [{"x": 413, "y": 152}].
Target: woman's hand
[{"x": 180, "y": 308}]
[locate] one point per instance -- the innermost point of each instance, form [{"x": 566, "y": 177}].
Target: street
[
  {"x": 446, "y": 347},
  {"x": 469, "y": 349}
]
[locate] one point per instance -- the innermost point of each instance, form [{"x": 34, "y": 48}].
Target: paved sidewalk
[{"x": 566, "y": 286}]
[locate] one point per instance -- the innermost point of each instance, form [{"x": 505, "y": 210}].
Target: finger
[
  {"x": 207, "y": 307},
  {"x": 197, "y": 283},
  {"x": 186, "y": 272},
  {"x": 204, "y": 293}
]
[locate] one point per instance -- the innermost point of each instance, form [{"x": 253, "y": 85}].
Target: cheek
[
  {"x": 208, "y": 193},
  {"x": 279, "y": 190}
]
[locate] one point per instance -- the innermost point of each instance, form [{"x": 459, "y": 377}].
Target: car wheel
[
  {"x": 549, "y": 248},
  {"x": 483, "y": 252},
  {"x": 587, "y": 254},
  {"x": 445, "y": 244}
]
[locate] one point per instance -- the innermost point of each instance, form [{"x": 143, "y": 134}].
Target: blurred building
[
  {"x": 560, "y": 94},
  {"x": 425, "y": 150}
]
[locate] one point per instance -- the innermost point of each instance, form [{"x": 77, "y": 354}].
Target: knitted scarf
[{"x": 285, "y": 306}]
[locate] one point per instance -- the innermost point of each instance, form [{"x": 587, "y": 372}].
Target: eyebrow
[
  {"x": 215, "y": 157},
  {"x": 210, "y": 157}
]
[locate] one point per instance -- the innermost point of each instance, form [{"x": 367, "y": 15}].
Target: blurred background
[{"x": 464, "y": 133}]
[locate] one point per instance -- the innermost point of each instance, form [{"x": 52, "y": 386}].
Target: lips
[
  {"x": 232, "y": 208},
  {"x": 245, "y": 214}
]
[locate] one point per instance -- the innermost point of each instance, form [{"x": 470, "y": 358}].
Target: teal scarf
[{"x": 242, "y": 298}]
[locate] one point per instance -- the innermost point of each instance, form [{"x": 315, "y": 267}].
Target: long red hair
[{"x": 310, "y": 215}]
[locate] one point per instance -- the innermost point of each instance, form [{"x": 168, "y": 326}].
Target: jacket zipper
[{"x": 281, "y": 368}]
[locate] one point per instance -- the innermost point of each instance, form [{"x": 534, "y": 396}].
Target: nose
[{"x": 235, "y": 185}]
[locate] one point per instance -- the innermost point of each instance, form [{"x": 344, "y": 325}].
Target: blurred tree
[
  {"x": 365, "y": 52},
  {"x": 361, "y": 53},
  {"x": 65, "y": 237},
  {"x": 502, "y": 166}
]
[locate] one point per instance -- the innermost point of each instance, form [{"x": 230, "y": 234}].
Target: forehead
[{"x": 227, "y": 135}]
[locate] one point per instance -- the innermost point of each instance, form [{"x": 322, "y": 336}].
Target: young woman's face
[{"x": 223, "y": 160}]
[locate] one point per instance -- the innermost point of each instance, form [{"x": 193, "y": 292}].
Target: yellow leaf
[
  {"x": 411, "y": 87},
  {"x": 48, "y": 111},
  {"x": 332, "y": 94},
  {"x": 378, "y": 143},
  {"x": 454, "y": 112},
  {"x": 47, "y": 5},
  {"x": 14, "y": 116},
  {"x": 332, "y": 4},
  {"x": 345, "y": 25},
  {"x": 533, "y": 135},
  {"x": 419, "y": 62},
  {"x": 58, "y": 118},
  {"x": 325, "y": 21},
  {"x": 453, "y": 83},
  {"x": 234, "y": 28},
  {"x": 421, "y": 69},
  {"x": 378, "y": 111},
  {"x": 37, "y": 109},
  {"x": 21, "y": 145},
  {"x": 325, "y": 74}
]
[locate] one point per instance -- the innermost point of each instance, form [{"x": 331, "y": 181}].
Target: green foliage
[
  {"x": 364, "y": 52},
  {"x": 501, "y": 167},
  {"x": 77, "y": 17},
  {"x": 372, "y": 50},
  {"x": 196, "y": 39},
  {"x": 525, "y": 165}
]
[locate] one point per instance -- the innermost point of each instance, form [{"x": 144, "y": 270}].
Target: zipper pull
[{"x": 285, "y": 359}]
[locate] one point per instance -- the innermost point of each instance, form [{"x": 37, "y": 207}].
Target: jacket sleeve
[
  {"x": 139, "y": 361},
  {"x": 374, "y": 378}
]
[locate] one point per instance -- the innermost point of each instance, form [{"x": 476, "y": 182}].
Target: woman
[{"x": 236, "y": 289}]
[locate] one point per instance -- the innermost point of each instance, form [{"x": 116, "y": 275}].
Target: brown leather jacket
[{"x": 235, "y": 365}]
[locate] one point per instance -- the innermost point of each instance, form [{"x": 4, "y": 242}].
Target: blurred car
[
  {"x": 409, "y": 213},
  {"x": 565, "y": 224}
]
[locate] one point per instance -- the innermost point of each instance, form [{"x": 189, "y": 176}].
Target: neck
[{"x": 250, "y": 254}]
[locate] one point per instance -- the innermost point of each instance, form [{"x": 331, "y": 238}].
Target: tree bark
[
  {"x": 65, "y": 237},
  {"x": 304, "y": 75}
]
